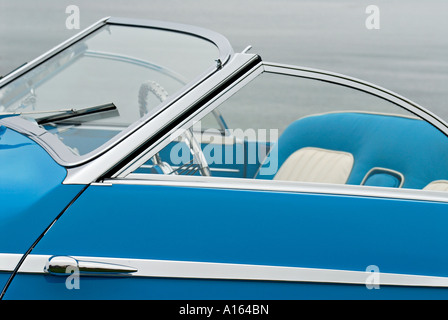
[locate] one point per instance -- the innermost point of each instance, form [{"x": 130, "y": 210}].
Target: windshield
[{"x": 132, "y": 68}]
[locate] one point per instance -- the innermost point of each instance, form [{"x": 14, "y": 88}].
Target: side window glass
[{"x": 287, "y": 128}]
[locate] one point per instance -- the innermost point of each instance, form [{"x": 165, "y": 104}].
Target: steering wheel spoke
[{"x": 199, "y": 162}]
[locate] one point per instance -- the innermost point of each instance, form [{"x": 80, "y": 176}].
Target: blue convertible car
[{"x": 148, "y": 160}]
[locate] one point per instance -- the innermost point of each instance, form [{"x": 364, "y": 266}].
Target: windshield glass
[{"x": 131, "y": 68}]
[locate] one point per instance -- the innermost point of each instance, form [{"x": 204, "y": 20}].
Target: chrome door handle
[{"x": 65, "y": 265}]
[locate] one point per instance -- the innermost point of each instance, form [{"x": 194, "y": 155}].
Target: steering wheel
[{"x": 199, "y": 162}]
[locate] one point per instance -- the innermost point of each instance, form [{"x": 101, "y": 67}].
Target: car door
[{"x": 358, "y": 213}]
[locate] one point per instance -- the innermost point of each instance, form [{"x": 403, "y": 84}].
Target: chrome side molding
[{"x": 150, "y": 268}]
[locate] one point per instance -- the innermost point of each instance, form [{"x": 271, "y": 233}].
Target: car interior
[{"x": 354, "y": 148}]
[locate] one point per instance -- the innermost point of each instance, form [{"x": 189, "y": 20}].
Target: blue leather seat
[{"x": 410, "y": 146}]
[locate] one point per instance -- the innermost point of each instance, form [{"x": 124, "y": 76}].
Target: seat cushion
[{"x": 316, "y": 165}]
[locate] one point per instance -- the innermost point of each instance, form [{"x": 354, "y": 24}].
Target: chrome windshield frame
[{"x": 61, "y": 153}]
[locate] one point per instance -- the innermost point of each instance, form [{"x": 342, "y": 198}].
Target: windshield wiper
[{"x": 81, "y": 115}]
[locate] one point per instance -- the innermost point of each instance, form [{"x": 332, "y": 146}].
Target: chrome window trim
[
  {"x": 61, "y": 153},
  {"x": 141, "y": 179},
  {"x": 360, "y": 85},
  {"x": 151, "y": 268},
  {"x": 225, "y": 49},
  {"x": 228, "y": 170}
]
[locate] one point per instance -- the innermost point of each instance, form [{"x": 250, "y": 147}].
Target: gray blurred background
[{"x": 408, "y": 55}]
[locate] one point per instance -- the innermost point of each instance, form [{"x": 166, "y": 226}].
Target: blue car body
[{"x": 75, "y": 226}]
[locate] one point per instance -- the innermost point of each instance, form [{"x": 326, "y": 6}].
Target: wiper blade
[
  {"x": 81, "y": 115},
  {"x": 85, "y": 114}
]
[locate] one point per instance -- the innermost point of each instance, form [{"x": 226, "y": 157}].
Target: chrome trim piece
[
  {"x": 219, "y": 40},
  {"x": 278, "y": 186},
  {"x": 246, "y": 50},
  {"x": 229, "y": 170},
  {"x": 49, "y": 142},
  {"x": 35, "y": 264},
  {"x": 8, "y": 261}
]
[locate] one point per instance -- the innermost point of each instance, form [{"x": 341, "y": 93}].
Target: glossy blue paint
[
  {"x": 250, "y": 227},
  {"x": 4, "y": 276},
  {"x": 31, "y": 194}
]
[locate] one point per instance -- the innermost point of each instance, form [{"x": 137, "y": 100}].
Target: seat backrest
[
  {"x": 439, "y": 185},
  {"x": 409, "y": 147}
]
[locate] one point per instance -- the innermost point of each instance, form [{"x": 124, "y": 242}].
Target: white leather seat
[
  {"x": 438, "y": 185},
  {"x": 316, "y": 165}
]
